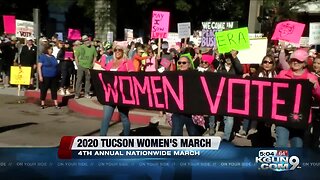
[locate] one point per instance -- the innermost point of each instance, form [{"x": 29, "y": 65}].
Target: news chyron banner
[{"x": 98, "y": 147}]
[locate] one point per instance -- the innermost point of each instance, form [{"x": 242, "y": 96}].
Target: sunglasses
[
  {"x": 204, "y": 62},
  {"x": 182, "y": 62},
  {"x": 267, "y": 62},
  {"x": 118, "y": 50},
  {"x": 297, "y": 61}
]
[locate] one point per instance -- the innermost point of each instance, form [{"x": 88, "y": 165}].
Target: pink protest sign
[
  {"x": 289, "y": 31},
  {"x": 68, "y": 55},
  {"x": 160, "y": 24},
  {"x": 9, "y": 23},
  {"x": 74, "y": 34},
  {"x": 165, "y": 62}
]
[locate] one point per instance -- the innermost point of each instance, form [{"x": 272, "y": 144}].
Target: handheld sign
[
  {"x": 24, "y": 29},
  {"x": 68, "y": 55},
  {"x": 289, "y": 31},
  {"x": 20, "y": 75},
  {"x": 258, "y": 47},
  {"x": 9, "y": 23},
  {"x": 74, "y": 34},
  {"x": 184, "y": 30},
  {"x": 236, "y": 39},
  {"x": 314, "y": 33},
  {"x": 160, "y": 24}
]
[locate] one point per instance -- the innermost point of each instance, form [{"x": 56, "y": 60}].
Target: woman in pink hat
[
  {"x": 206, "y": 63},
  {"x": 297, "y": 70}
]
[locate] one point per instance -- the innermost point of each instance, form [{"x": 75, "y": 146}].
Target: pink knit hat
[
  {"x": 208, "y": 58},
  {"x": 300, "y": 55}
]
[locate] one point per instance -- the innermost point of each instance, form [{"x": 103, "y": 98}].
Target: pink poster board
[
  {"x": 74, "y": 34},
  {"x": 160, "y": 24},
  {"x": 289, "y": 31},
  {"x": 165, "y": 62},
  {"x": 9, "y": 23},
  {"x": 68, "y": 55}
]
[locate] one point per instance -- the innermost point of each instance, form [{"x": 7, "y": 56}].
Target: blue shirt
[{"x": 49, "y": 66}]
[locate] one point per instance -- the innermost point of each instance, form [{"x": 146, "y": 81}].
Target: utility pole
[
  {"x": 254, "y": 11},
  {"x": 36, "y": 29}
]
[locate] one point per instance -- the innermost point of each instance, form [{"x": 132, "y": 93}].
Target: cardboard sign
[
  {"x": 289, "y": 31},
  {"x": 128, "y": 35},
  {"x": 74, "y": 34},
  {"x": 20, "y": 75},
  {"x": 110, "y": 37},
  {"x": 304, "y": 42},
  {"x": 165, "y": 62},
  {"x": 160, "y": 24},
  {"x": 236, "y": 39},
  {"x": 60, "y": 36},
  {"x": 24, "y": 29},
  {"x": 208, "y": 38},
  {"x": 284, "y": 102},
  {"x": 184, "y": 30},
  {"x": 138, "y": 40},
  {"x": 172, "y": 39},
  {"x": 220, "y": 25},
  {"x": 254, "y": 55},
  {"x": 314, "y": 33},
  {"x": 9, "y": 23}
]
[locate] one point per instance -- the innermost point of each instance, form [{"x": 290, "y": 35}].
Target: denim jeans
[
  {"x": 228, "y": 125},
  {"x": 107, "y": 115},
  {"x": 283, "y": 135},
  {"x": 179, "y": 120}
]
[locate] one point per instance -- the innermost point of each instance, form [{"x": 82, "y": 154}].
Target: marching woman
[
  {"x": 297, "y": 70},
  {"x": 178, "y": 119},
  {"x": 267, "y": 69},
  {"x": 48, "y": 72},
  {"x": 118, "y": 63}
]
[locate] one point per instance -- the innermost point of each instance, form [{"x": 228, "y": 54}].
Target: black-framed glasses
[
  {"x": 182, "y": 62},
  {"x": 267, "y": 62}
]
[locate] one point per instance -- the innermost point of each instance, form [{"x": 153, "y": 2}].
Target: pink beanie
[{"x": 208, "y": 58}]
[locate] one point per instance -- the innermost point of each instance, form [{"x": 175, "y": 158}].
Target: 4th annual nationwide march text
[{"x": 139, "y": 153}]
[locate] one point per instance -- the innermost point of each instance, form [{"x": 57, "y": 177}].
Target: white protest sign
[
  {"x": 314, "y": 33},
  {"x": 110, "y": 36},
  {"x": 128, "y": 35},
  {"x": 138, "y": 40},
  {"x": 172, "y": 39},
  {"x": 24, "y": 29},
  {"x": 60, "y": 36},
  {"x": 184, "y": 30},
  {"x": 254, "y": 55},
  {"x": 304, "y": 41}
]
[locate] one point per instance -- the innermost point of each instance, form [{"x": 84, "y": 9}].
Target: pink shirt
[
  {"x": 151, "y": 64},
  {"x": 125, "y": 66},
  {"x": 288, "y": 74}
]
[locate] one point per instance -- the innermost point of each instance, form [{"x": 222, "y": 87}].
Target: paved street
[{"x": 24, "y": 124}]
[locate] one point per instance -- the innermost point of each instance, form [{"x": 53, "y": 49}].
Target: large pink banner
[
  {"x": 9, "y": 23},
  {"x": 289, "y": 31},
  {"x": 74, "y": 34},
  {"x": 160, "y": 24}
]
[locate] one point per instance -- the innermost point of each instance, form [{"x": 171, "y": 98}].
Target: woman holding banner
[
  {"x": 297, "y": 70},
  {"x": 118, "y": 63},
  {"x": 263, "y": 137},
  {"x": 229, "y": 64},
  {"x": 48, "y": 72},
  {"x": 179, "y": 120}
]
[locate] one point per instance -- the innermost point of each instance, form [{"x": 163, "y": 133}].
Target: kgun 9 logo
[{"x": 277, "y": 160}]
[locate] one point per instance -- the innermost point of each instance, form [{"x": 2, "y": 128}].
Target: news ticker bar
[{"x": 93, "y": 146}]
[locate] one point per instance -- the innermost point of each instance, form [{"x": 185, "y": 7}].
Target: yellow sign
[{"x": 20, "y": 75}]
